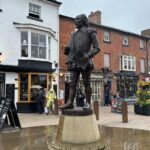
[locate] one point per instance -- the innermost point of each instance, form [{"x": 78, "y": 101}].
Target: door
[{"x": 2, "y": 89}]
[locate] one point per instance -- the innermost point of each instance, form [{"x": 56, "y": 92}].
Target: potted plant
[{"x": 143, "y": 94}]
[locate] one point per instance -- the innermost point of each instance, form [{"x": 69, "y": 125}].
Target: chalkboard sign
[{"x": 8, "y": 110}]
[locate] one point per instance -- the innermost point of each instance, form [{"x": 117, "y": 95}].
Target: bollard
[
  {"x": 56, "y": 107},
  {"x": 96, "y": 109},
  {"x": 124, "y": 112}
]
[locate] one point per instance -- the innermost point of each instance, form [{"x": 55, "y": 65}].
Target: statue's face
[{"x": 80, "y": 21}]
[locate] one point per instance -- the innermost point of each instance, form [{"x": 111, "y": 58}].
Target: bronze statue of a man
[{"x": 82, "y": 47}]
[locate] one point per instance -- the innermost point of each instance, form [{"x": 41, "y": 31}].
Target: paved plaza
[{"x": 106, "y": 118}]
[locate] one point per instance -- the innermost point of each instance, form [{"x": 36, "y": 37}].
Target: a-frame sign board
[{"x": 8, "y": 114}]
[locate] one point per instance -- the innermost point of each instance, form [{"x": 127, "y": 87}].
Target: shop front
[
  {"x": 27, "y": 83},
  {"x": 127, "y": 85}
]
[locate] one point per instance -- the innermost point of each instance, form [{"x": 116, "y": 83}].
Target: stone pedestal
[
  {"x": 77, "y": 130},
  {"x": 78, "y": 126}
]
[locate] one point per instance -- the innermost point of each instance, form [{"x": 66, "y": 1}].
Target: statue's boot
[
  {"x": 88, "y": 99},
  {"x": 69, "y": 104}
]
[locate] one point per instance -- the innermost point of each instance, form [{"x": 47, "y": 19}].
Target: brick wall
[{"x": 114, "y": 47}]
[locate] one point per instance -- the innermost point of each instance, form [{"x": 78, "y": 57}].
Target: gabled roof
[{"x": 111, "y": 28}]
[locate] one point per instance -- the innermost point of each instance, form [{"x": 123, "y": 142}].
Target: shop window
[
  {"x": 127, "y": 87},
  {"x": 96, "y": 88},
  {"x": 24, "y": 87},
  {"x": 95, "y": 91},
  {"x": 37, "y": 82}
]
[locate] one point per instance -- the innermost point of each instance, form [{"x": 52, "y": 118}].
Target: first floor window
[
  {"x": 128, "y": 63},
  {"x": 24, "y": 44},
  {"x": 35, "y": 45},
  {"x": 142, "y": 62},
  {"x": 107, "y": 60}
]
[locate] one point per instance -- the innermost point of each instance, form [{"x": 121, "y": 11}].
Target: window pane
[
  {"x": 24, "y": 51},
  {"x": 23, "y": 87},
  {"x": 34, "y": 38},
  {"x": 34, "y": 51},
  {"x": 42, "y": 52},
  {"x": 42, "y": 40},
  {"x": 106, "y": 60},
  {"x": 24, "y": 37}
]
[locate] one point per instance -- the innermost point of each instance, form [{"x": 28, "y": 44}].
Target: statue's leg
[
  {"x": 74, "y": 76},
  {"x": 88, "y": 91}
]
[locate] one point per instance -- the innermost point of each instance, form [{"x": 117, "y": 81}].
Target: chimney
[
  {"x": 95, "y": 17},
  {"x": 146, "y": 32}
]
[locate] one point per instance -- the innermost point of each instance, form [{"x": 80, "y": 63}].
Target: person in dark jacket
[
  {"x": 40, "y": 101},
  {"x": 80, "y": 98}
]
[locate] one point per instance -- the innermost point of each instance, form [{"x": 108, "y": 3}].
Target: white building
[{"x": 29, "y": 48}]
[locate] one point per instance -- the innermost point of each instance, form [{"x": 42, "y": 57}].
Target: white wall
[{"x": 17, "y": 11}]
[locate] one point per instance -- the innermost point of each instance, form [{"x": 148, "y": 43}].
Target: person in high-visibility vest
[{"x": 50, "y": 97}]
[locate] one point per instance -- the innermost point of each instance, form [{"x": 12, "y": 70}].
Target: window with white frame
[
  {"x": 128, "y": 63},
  {"x": 106, "y": 36},
  {"x": 125, "y": 40},
  {"x": 34, "y": 45},
  {"x": 149, "y": 66},
  {"x": 142, "y": 62},
  {"x": 107, "y": 60},
  {"x": 142, "y": 44},
  {"x": 34, "y": 11},
  {"x": 24, "y": 44},
  {"x": 96, "y": 90},
  {"x": 96, "y": 85},
  {"x": 38, "y": 45}
]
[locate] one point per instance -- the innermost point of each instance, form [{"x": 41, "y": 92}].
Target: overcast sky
[{"x": 128, "y": 15}]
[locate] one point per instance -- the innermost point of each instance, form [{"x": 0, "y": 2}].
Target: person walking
[
  {"x": 40, "y": 101},
  {"x": 50, "y": 97}
]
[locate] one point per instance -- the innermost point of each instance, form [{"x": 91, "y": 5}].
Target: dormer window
[
  {"x": 34, "y": 11},
  {"x": 125, "y": 40}
]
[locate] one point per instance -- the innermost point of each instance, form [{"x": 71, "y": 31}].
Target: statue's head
[{"x": 81, "y": 20}]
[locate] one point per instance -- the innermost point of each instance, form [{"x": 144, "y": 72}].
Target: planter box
[
  {"x": 146, "y": 110},
  {"x": 138, "y": 109},
  {"x": 142, "y": 109}
]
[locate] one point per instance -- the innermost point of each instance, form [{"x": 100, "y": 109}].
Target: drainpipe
[{"x": 147, "y": 57}]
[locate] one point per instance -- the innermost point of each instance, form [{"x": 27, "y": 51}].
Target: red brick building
[{"x": 122, "y": 59}]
